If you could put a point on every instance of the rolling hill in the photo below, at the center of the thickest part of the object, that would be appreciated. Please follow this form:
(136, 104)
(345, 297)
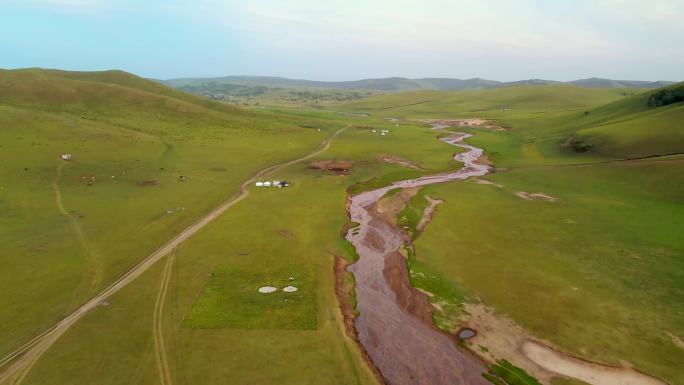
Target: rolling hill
(646, 124)
(609, 83)
(147, 161)
(230, 84)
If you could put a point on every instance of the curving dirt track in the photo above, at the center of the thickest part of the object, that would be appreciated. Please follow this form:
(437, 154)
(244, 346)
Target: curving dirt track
(157, 323)
(23, 358)
(94, 268)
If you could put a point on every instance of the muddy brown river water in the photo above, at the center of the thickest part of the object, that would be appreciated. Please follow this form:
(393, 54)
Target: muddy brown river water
(395, 324)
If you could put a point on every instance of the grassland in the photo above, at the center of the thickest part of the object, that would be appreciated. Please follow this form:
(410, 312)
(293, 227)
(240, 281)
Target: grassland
(518, 99)
(273, 235)
(215, 327)
(597, 272)
(147, 162)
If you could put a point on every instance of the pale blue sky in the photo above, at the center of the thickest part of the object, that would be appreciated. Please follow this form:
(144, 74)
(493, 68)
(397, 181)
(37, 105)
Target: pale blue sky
(350, 39)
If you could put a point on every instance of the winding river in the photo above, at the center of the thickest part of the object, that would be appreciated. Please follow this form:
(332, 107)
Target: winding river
(395, 324)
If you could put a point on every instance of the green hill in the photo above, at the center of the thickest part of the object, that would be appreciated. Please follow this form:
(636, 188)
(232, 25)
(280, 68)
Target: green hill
(147, 161)
(610, 83)
(516, 99)
(101, 91)
(646, 124)
(382, 84)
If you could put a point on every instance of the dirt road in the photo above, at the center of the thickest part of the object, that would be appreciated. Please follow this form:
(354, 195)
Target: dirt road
(158, 323)
(23, 358)
(93, 271)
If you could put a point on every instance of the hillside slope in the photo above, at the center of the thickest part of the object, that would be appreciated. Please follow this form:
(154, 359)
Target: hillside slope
(55, 90)
(147, 162)
(634, 127)
(610, 83)
(521, 98)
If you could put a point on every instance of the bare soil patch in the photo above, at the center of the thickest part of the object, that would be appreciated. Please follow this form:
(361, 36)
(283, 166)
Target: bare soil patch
(484, 160)
(340, 167)
(285, 233)
(498, 336)
(147, 183)
(393, 159)
(589, 372)
(485, 181)
(428, 213)
(676, 340)
(388, 207)
(501, 337)
(344, 293)
(535, 196)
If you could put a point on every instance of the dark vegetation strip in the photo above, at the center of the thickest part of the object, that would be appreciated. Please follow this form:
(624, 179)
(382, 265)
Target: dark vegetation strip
(505, 373)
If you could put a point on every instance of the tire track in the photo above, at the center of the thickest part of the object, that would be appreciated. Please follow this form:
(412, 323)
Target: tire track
(158, 323)
(23, 358)
(93, 267)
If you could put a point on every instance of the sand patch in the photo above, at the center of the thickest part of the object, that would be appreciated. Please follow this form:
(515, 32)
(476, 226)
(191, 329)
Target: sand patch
(484, 160)
(501, 336)
(425, 292)
(428, 213)
(676, 340)
(393, 159)
(388, 207)
(586, 371)
(485, 181)
(504, 338)
(535, 196)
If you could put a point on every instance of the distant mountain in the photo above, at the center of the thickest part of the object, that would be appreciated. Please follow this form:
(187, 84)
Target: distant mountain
(609, 83)
(529, 82)
(233, 83)
(382, 84)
